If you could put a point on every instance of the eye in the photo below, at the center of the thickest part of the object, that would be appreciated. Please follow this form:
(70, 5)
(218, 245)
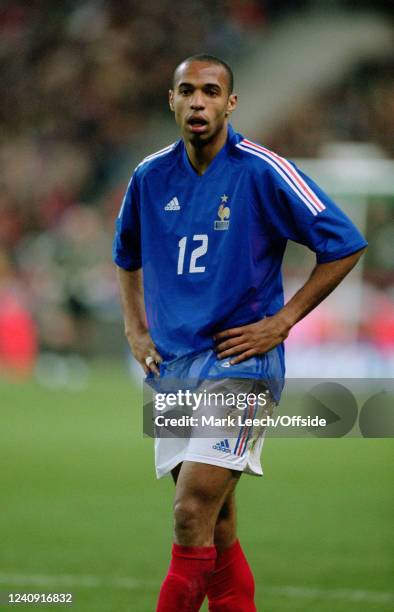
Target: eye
(185, 91)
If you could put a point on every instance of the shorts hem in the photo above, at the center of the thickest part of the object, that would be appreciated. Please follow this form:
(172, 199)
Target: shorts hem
(166, 470)
(245, 468)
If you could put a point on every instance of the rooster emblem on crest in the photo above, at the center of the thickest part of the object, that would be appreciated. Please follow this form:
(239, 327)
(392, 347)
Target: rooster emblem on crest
(224, 211)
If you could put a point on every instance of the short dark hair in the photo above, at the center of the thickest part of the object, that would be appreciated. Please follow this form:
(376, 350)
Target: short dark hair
(209, 59)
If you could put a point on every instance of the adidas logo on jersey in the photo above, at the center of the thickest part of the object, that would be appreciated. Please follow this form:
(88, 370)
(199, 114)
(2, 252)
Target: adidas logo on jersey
(223, 446)
(173, 205)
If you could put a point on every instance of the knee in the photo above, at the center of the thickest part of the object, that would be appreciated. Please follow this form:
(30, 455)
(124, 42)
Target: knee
(187, 515)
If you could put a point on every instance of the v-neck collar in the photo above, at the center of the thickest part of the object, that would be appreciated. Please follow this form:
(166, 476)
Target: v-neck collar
(215, 163)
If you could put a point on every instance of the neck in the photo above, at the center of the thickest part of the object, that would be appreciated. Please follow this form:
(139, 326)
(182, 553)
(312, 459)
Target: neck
(201, 156)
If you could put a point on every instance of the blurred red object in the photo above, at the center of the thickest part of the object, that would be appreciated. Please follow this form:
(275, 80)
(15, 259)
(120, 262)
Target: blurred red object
(18, 336)
(378, 327)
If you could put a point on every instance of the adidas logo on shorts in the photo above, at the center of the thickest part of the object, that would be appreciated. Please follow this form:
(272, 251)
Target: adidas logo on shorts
(223, 446)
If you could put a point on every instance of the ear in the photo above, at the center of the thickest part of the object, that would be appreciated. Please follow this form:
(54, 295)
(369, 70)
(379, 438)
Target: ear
(231, 104)
(171, 99)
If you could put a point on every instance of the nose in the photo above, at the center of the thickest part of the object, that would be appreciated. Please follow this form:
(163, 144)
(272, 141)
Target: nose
(197, 101)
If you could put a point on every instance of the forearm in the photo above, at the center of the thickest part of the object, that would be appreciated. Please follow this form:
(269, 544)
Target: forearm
(322, 281)
(243, 342)
(136, 329)
(132, 300)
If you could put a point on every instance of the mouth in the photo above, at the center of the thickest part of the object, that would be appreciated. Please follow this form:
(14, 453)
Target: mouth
(197, 124)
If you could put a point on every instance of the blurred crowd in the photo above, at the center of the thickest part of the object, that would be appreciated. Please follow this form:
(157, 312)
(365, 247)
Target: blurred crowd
(359, 109)
(84, 78)
(81, 83)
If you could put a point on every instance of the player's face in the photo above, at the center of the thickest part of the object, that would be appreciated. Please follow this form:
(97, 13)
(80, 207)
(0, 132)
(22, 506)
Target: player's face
(201, 101)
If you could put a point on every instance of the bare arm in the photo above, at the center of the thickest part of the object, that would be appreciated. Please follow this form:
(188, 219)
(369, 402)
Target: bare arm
(264, 335)
(136, 329)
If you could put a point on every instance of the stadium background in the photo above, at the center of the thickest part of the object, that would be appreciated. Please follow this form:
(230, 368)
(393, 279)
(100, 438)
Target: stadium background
(84, 99)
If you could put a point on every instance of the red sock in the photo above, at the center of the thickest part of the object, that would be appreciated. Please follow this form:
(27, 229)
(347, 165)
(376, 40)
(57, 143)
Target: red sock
(185, 585)
(231, 587)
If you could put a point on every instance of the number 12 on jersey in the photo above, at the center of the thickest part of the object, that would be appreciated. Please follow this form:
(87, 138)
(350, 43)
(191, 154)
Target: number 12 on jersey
(196, 253)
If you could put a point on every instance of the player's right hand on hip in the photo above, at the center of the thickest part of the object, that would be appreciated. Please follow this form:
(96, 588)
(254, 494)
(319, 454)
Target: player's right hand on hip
(145, 352)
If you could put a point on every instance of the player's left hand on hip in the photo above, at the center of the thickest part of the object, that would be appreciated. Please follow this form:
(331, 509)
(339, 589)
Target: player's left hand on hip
(249, 340)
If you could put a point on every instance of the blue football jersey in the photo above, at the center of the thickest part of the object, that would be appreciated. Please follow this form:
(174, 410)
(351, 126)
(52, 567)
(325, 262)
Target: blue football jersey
(211, 246)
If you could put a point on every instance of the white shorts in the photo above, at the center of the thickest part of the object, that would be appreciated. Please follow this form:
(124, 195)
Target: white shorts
(231, 442)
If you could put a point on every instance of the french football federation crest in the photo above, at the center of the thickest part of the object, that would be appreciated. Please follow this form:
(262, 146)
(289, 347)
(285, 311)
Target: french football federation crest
(223, 214)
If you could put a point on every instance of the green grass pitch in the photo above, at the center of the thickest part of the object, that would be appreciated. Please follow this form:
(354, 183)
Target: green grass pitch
(82, 512)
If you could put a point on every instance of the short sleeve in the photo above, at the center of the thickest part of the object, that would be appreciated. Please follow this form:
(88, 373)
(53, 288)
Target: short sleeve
(300, 211)
(126, 250)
